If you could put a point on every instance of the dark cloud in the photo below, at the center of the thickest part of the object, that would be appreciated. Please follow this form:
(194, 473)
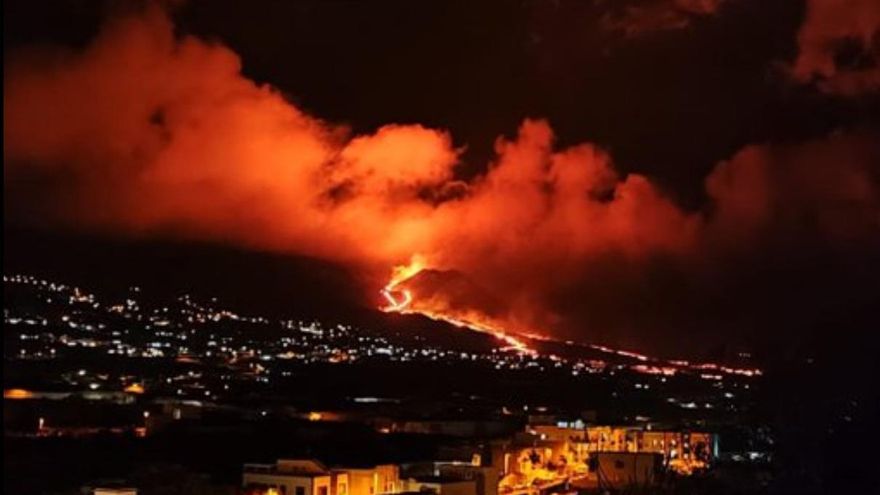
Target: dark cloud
(644, 17)
(839, 47)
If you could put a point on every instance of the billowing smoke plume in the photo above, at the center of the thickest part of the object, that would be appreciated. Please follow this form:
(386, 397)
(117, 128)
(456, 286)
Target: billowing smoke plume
(838, 42)
(147, 133)
(839, 46)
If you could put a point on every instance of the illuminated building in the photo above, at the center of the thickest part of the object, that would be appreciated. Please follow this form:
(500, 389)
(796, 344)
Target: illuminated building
(545, 457)
(452, 477)
(681, 451)
(384, 478)
(310, 477)
(533, 462)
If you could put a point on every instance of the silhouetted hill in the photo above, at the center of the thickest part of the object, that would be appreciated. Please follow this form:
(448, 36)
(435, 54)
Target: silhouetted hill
(251, 282)
(266, 283)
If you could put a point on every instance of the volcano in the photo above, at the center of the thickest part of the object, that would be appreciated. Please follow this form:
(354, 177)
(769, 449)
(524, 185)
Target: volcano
(453, 292)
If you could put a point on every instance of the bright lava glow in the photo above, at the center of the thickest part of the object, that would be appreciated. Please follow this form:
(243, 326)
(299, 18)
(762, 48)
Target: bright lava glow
(398, 275)
(400, 301)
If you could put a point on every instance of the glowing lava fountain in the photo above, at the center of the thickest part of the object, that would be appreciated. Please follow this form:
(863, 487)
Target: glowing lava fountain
(401, 301)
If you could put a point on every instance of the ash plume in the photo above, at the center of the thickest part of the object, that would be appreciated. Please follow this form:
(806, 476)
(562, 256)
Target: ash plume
(145, 133)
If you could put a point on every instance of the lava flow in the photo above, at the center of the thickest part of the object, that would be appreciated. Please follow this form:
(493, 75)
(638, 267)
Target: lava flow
(400, 301)
(400, 274)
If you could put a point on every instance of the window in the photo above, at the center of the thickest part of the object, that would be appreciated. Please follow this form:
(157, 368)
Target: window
(322, 490)
(343, 489)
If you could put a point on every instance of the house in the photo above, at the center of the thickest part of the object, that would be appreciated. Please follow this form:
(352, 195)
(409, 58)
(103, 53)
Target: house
(294, 477)
(384, 478)
(310, 477)
(451, 477)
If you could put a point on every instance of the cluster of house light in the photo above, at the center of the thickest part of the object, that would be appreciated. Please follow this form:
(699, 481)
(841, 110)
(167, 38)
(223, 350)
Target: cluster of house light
(75, 318)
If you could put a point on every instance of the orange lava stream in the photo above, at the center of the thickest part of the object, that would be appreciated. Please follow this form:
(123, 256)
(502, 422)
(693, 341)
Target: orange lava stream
(399, 301)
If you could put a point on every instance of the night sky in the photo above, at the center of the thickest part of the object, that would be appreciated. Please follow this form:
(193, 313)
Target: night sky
(700, 173)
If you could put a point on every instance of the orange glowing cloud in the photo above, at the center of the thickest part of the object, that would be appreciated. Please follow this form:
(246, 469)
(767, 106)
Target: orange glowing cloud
(176, 139)
(147, 133)
(828, 188)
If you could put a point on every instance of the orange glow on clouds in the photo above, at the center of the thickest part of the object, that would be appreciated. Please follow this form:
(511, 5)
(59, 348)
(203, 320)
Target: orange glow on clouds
(151, 134)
